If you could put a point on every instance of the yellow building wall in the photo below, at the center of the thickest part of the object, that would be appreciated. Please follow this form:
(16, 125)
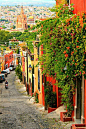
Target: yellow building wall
(35, 70)
(26, 68)
(36, 75)
(21, 53)
(29, 73)
(2, 63)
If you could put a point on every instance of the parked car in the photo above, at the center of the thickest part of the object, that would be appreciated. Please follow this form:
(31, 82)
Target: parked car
(4, 72)
(8, 70)
(11, 68)
(2, 77)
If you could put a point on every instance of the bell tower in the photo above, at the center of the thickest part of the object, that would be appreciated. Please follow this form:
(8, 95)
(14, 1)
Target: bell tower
(22, 11)
(21, 22)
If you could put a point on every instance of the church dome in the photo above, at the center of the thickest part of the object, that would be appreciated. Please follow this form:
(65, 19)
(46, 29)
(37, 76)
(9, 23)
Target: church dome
(31, 17)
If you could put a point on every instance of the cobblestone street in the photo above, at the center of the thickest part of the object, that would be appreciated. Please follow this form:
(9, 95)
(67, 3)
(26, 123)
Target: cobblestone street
(16, 113)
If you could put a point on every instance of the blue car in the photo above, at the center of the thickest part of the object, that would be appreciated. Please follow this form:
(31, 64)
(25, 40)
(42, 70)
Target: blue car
(2, 77)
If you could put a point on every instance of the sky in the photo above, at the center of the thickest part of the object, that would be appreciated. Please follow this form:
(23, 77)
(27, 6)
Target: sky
(28, 2)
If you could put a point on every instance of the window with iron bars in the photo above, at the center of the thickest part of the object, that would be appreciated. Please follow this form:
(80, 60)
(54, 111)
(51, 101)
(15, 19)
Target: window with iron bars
(38, 79)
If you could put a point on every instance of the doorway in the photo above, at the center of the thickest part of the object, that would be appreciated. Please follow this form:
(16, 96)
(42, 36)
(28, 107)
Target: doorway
(79, 98)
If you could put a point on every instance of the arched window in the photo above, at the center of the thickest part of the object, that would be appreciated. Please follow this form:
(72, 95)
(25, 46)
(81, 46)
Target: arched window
(25, 25)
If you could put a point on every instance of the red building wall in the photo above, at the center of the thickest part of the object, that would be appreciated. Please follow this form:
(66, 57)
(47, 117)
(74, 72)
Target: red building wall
(79, 5)
(55, 88)
(8, 59)
(85, 100)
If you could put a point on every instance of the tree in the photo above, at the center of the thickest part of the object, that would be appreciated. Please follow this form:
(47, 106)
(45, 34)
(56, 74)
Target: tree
(5, 36)
(14, 26)
(3, 27)
(16, 34)
(18, 72)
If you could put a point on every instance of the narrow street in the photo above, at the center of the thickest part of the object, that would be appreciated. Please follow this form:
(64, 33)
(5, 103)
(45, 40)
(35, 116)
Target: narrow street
(15, 113)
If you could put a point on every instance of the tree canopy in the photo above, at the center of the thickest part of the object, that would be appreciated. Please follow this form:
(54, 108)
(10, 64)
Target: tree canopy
(5, 36)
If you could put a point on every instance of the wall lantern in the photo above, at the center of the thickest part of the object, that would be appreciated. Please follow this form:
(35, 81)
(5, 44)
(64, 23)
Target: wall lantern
(36, 43)
(30, 68)
(65, 68)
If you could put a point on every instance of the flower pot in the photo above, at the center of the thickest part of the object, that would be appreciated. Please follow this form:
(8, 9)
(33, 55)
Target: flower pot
(78, 126)
(64, 118)
(50, 109)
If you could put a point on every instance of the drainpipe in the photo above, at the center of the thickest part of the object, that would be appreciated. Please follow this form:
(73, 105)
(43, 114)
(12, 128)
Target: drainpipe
(82, 117)
(75, 107)
(69, 3)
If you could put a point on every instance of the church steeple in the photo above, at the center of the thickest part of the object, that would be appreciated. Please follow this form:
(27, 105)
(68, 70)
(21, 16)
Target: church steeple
(21, 22)
(22, 12)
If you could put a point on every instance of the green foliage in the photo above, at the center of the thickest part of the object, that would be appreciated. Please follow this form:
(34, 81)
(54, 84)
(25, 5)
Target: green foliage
(64, 41)
(3, 20)
(30, 46)
(14, 44)
(26, 36)
(17, 51)
(19, 72)
(36, 97)
(25, 30)
(28, 26)
(16, 34)
(63, 10)
(14, 27)
(3, 27)
(50, 96)
(4, 36)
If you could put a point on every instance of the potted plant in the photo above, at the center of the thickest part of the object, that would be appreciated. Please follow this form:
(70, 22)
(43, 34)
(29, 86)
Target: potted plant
(78, 126)
(36, 97)
(50, 98)
(64, 117)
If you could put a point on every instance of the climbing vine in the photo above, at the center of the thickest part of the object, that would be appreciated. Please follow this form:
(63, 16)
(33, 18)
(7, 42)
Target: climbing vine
(64, 54)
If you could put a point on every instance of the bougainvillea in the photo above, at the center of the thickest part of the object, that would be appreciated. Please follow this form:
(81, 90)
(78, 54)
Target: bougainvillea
(64, 57)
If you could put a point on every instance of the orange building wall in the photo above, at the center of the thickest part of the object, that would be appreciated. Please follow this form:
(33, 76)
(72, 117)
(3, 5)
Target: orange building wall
(85, 101)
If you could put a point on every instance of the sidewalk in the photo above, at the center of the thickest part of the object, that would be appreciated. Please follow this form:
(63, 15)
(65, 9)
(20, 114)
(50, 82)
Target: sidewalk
(55, 115)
